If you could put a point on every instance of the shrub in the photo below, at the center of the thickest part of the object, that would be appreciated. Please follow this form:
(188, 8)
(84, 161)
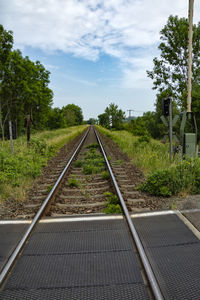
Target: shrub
(144, 139)
(178, 178)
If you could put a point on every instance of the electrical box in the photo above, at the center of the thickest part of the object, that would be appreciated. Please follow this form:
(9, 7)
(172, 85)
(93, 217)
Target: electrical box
(190, 146)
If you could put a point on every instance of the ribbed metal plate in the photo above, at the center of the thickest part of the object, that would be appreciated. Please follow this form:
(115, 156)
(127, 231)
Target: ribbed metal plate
(10, 235)
(163, 231)
(77, 260)
(75, 270)
(81, 226)
(174, 253)
(178, 270)
(112, 292)
(76, 242)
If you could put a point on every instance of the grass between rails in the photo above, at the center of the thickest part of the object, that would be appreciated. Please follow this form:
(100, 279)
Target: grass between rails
(163, 179)
(18, 171)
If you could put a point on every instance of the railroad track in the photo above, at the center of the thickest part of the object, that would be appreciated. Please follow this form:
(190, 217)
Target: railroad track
(93, 174)
(82, 188)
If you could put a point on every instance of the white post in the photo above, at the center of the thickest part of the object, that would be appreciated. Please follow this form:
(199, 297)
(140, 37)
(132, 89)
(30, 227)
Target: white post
(190, 33)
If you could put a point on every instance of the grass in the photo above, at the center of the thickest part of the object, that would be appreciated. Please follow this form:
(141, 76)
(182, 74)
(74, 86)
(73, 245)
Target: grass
(105, 175)
(182, 177)
(112, 204)
(149, 156)
(18, 171)
(93, 162)
(73, 182)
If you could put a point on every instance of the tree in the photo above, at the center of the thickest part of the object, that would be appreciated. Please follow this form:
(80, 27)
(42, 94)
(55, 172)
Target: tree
(73, 114)
(104, 120)
(6, 43)
(117, 115)
(23, 88)
(56, 119)
(170, 71)
(92, 121)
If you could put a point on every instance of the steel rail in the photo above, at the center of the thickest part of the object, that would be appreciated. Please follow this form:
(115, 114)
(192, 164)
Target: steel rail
(152, 280)
(20, 245)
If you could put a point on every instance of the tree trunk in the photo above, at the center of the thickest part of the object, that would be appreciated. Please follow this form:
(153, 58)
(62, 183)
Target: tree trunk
(11, 137)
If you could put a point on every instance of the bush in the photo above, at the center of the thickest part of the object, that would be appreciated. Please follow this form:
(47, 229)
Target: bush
(144, 139)
(175, 179)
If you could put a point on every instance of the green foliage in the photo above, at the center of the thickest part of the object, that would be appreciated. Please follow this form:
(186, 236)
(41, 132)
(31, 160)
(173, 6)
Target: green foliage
(111, 198)
(73, 114)
(24, 90)
(144, 139)
(18, 170)
(115, 115)
(170, 70)
(56, 119)
(73, 182)
(93, 163)
(112, 204)
(78, 163)
(105, 175)
(184, 177)
(92, 121)
(112, 209)
(149, 156)
(49, 188)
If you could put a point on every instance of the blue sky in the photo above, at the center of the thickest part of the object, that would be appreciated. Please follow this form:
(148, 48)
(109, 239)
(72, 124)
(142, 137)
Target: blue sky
(97, 51)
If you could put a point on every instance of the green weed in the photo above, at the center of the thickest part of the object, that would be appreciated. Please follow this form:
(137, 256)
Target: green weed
(105, 175)
(49, 188)
(118, 162)
(112, 204)
(77, 164)
(73, 182)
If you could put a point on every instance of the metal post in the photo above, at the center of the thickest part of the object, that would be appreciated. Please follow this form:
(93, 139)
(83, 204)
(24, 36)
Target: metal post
(190, 33)
(170, 131)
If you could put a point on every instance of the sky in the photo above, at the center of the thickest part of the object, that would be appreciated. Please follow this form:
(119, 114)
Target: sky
(97, 51)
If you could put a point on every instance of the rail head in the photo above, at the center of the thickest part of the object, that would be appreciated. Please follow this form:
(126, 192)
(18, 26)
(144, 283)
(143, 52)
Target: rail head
(38, 215)
(149, 272)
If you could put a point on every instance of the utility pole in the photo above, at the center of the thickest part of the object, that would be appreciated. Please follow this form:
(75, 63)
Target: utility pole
(189, 73)
(129, 111)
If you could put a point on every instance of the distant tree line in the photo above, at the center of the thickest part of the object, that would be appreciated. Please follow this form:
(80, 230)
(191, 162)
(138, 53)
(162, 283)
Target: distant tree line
(24, 90)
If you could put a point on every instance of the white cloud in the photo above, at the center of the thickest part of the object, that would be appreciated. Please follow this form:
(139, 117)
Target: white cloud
(88, 28)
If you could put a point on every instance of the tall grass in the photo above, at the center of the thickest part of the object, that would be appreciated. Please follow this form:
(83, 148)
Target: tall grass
(163, 178)
(149, 155)
(18, 171)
